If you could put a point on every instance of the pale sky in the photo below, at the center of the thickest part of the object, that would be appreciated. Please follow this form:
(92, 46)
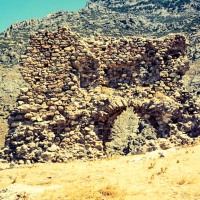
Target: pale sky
(12, 11)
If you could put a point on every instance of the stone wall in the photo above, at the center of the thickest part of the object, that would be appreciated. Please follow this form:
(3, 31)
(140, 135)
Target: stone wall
(89, 97)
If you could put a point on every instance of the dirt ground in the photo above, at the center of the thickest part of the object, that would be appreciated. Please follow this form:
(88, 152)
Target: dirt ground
(166, 175)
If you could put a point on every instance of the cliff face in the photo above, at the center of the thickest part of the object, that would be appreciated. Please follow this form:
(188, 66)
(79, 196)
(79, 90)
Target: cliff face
(89, 97)
(150, 17)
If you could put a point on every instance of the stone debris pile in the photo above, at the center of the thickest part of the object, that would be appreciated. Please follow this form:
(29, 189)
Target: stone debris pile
(88, 97)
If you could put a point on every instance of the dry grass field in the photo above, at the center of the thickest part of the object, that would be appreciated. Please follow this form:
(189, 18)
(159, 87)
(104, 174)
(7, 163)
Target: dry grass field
(150, 176)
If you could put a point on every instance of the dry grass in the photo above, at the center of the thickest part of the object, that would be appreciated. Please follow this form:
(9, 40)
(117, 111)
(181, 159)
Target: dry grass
(185, 180)
(123, 178)
(14, 180)
(152, 165)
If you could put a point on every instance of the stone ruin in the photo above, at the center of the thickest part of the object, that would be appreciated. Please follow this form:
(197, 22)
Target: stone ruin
(96, 96)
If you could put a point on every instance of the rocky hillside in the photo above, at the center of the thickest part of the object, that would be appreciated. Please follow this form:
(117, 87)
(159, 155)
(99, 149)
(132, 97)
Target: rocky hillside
(114, 18)
(169, 174)
(125, 17)
(106, 17)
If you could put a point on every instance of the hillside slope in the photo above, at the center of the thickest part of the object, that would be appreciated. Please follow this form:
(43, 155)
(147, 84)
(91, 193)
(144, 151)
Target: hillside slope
(175, 175)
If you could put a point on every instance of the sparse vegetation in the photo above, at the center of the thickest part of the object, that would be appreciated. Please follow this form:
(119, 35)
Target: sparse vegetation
(162, 170)
(113, 179)
(152, 165)
(186, 180)
(112, 191)
(14, 180)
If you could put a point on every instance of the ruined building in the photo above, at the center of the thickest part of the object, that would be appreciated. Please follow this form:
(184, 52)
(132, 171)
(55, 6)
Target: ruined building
(89, 97)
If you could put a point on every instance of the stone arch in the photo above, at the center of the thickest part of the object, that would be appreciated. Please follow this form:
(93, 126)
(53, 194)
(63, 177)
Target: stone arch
(139, 130)
(104, 124)
(106, 118)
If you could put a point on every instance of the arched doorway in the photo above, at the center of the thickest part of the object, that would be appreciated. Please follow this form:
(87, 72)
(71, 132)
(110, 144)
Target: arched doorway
(118, 129)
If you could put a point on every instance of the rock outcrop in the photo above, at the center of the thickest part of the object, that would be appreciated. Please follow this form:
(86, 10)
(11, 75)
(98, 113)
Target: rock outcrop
(88, 97)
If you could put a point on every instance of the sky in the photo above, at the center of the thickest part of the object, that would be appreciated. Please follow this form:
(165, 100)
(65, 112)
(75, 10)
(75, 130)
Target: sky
(12, 11)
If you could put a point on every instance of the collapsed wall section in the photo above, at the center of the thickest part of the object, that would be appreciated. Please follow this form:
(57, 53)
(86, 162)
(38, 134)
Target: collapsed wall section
(83, 91)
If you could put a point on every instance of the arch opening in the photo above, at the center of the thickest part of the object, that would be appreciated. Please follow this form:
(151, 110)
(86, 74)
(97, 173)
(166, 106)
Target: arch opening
(118, 129)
